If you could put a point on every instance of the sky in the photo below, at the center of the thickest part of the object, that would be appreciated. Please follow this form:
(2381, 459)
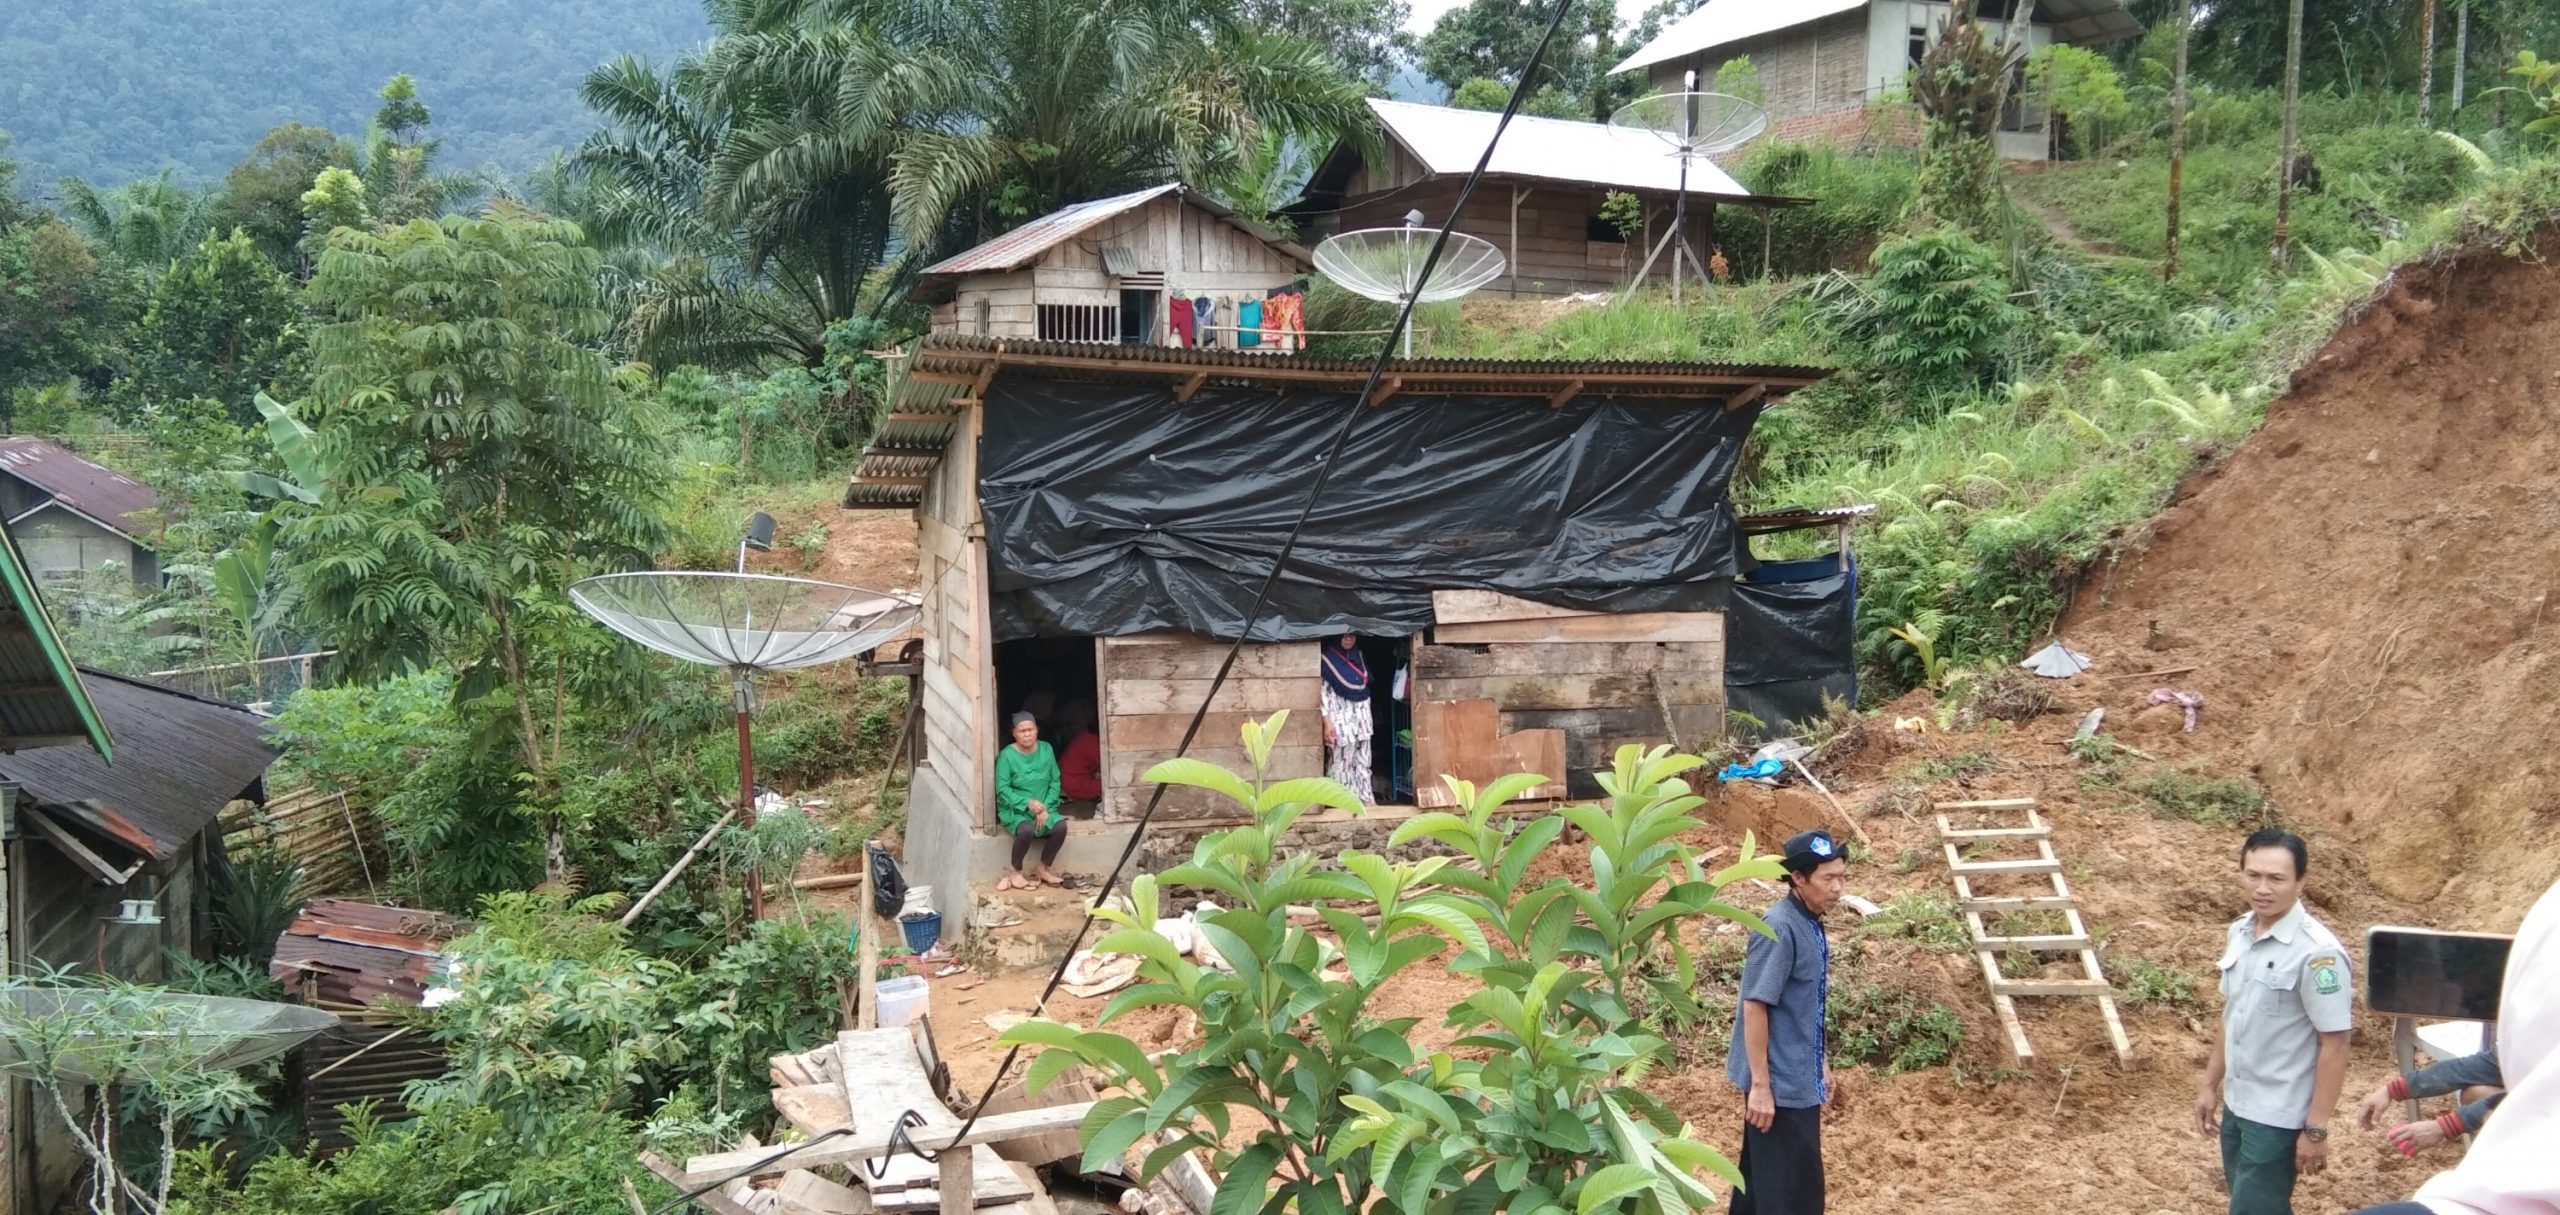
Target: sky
(1427, 12)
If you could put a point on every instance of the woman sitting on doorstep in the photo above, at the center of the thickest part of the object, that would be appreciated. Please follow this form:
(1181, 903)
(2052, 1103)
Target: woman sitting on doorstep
(1027, 797)
(1080, 765)
(1347, 724)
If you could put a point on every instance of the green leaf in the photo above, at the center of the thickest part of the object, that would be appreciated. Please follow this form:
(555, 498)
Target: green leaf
(1611, 1184)
(1311, 790)
(1437, 824)
(1201, 774)
(1122, 1054)
(1692, 1155)
(1505, 788)
(1109, 1130)
(1526, 846)
(1430, 1103)
(1040, 1033)
(1049, 1066)
(1421, 1175)
(1247, 1183)
(1146, 943)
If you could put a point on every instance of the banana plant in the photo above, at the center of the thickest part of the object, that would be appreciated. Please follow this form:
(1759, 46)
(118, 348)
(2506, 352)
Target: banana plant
(1543, 1117)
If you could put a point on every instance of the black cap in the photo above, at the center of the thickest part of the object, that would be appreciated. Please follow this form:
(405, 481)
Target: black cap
(1807, 850)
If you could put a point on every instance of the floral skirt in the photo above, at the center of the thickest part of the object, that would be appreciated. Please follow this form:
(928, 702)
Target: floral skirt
(1347, 761)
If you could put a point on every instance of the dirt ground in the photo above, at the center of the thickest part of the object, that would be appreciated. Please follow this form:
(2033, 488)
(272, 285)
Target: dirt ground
(2360, 593)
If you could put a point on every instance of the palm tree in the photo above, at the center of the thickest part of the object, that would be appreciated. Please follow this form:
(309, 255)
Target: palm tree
(150, 222)
(1000, 110)
(744, 278)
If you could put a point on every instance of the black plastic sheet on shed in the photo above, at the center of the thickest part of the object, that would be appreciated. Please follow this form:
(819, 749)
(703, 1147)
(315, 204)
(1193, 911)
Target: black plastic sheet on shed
(1790, 641)
(1111, 510)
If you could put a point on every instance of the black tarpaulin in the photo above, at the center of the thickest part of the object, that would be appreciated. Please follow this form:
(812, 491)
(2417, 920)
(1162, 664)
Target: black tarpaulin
(1791, 640)
(1112, 510)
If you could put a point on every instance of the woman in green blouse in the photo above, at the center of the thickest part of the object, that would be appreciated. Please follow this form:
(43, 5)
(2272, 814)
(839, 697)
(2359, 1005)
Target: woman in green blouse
(1027, 803)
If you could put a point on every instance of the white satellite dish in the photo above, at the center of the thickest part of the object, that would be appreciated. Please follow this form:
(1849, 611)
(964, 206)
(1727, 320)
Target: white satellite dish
(176, 1028)
(1386, 264)
(1694, 125)
(751, 624)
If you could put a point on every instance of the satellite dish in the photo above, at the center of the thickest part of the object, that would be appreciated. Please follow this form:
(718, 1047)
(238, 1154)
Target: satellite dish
(1693, 125)
(1386, 264)
(752, 624)
(183, 1030)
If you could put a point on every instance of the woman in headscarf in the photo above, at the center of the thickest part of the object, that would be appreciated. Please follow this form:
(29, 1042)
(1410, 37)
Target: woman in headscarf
(2509, 1169)
(1027, 803)
(1346, 717)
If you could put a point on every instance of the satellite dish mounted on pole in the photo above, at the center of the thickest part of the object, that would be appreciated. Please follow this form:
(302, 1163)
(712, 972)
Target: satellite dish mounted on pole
(752, 624)
(1386, 264)
(1696, 125)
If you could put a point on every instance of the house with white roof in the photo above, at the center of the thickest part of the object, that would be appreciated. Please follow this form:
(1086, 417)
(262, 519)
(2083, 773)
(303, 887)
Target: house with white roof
(1540, 202)
(1821, 63)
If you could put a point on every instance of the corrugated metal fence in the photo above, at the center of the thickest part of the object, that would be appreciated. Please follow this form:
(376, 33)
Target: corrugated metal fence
(339, 844)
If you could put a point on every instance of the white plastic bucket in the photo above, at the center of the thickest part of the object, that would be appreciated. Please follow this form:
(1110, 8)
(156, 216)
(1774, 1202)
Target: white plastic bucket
(902, 1000)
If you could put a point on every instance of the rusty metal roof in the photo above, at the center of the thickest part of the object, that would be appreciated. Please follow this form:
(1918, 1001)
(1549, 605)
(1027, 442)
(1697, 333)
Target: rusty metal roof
(931, 389)
(179, 759)
(1025, 244)
(343, 954)
(94, 492)
(1797, 518)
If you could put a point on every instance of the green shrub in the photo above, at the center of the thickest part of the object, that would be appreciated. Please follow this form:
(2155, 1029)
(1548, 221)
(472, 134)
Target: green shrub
(2146, 983)
(1942, 314)
(1856, 201)
(1928, 920)
(1894, 1028)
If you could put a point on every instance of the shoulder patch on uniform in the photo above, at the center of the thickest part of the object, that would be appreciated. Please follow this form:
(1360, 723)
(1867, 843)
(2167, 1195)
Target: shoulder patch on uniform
(2324, 976)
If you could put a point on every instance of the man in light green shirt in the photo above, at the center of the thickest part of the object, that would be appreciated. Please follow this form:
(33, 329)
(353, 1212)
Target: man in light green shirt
(2288, 1005)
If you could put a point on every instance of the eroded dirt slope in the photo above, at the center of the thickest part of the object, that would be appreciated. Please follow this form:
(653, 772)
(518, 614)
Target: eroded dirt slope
(2364, 589)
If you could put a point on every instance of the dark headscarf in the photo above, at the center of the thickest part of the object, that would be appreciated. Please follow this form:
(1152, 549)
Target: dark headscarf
(1346, 671)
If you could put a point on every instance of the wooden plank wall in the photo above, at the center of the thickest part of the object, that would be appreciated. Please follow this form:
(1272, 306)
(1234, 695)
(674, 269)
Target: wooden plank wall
(1008, 299)
(1198, 253)
(1601, 693)
(339, 844)
(1555, 253)
(1153, 682)
(951, 562)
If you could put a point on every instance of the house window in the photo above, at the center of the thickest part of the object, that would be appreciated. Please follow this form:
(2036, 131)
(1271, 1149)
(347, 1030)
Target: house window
(1599, 231)
(1079, 322)
(986, 319)
(1919, 44)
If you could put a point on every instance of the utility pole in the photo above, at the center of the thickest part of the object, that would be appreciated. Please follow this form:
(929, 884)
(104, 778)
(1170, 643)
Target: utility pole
(2178, 135)
(2427, 63)
(2292, 114)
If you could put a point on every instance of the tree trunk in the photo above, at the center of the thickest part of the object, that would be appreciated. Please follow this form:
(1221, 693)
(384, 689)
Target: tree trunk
(2427, 63)
(2178, 134)
(2292, 117)
(2461, 52)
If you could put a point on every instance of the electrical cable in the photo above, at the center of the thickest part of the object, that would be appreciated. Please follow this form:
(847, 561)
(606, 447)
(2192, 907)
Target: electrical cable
(1358, 405)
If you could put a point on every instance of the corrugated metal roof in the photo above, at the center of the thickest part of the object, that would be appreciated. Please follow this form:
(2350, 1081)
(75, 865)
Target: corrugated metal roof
(1796, 518)
(1727, 22)
(1449, 141)
(180, 759)
(343, 953)
(947, 352)
(44, 703)
(1023, 245)
(104, 496)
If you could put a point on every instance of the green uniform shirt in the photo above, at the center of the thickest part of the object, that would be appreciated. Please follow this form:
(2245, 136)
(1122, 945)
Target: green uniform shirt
(1024, 777)
(2280, 992)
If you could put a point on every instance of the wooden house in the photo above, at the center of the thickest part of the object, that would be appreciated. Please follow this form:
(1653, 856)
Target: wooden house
(102, 867)
(1540, 202)
(1107, 271)
(1094, 521)
(70, 515)
(1822, 63)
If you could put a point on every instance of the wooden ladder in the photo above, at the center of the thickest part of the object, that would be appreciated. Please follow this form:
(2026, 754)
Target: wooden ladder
(1988, 948)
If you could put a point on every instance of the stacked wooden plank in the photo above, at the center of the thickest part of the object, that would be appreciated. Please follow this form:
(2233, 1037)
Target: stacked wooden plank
(2009, 830)
(858, 1088)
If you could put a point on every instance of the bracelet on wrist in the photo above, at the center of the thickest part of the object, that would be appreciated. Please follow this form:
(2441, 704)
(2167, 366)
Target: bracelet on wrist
(2399, 1088)
(2451, 1123)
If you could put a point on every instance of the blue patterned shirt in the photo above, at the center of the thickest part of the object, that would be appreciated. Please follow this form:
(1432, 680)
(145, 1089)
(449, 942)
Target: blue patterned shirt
(1790, 973)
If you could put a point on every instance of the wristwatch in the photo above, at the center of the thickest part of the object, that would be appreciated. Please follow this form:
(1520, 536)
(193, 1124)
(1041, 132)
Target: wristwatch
(2316, 1134)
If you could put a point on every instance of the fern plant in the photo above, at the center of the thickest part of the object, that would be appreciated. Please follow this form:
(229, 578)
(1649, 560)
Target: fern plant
(1335, 1111)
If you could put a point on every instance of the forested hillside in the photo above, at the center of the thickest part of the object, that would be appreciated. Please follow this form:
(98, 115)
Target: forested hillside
(115, 89)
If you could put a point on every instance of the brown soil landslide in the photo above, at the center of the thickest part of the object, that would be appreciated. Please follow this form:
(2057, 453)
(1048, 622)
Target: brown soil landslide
(2365, 592)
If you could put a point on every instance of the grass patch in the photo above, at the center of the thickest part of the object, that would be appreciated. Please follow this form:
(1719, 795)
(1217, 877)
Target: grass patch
(2219, 801)
(2148, 984)
(1892, 1028)
(1949, 767)
(1928, 920)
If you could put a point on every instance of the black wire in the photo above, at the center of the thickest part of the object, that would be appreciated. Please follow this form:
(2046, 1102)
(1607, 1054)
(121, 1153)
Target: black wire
(1324, 473)
(1359, 405)
(757, 1167)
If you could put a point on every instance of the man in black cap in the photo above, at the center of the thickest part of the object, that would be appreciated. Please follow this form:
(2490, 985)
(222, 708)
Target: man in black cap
(1778, 1059)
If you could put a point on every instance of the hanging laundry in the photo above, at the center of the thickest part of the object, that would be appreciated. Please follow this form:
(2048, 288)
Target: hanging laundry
(1248, 324)
(1281, 316)
(1204, 316)
(1181, 320)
